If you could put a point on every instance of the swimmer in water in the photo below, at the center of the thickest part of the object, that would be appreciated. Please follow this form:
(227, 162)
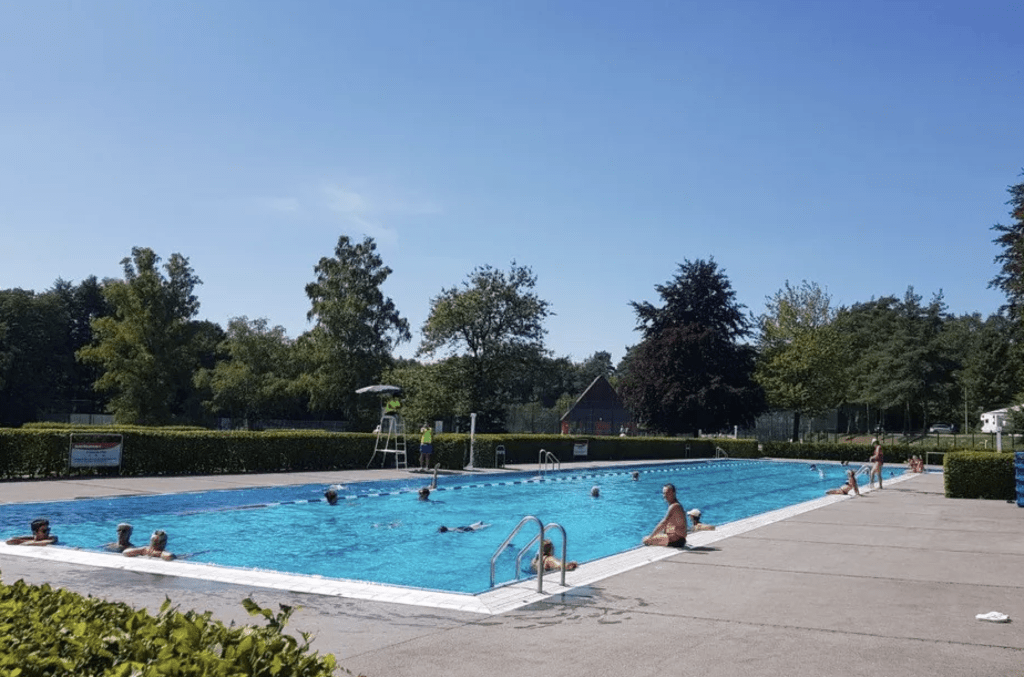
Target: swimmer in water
(475, 526)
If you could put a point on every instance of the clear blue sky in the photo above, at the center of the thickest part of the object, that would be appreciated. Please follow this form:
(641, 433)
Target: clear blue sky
(865, 146)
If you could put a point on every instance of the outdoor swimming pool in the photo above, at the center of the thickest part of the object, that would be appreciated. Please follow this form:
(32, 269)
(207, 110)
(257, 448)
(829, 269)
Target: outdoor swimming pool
(380, 532)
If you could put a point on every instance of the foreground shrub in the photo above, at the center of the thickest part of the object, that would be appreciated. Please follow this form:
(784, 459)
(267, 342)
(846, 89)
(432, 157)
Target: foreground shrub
(47, 631)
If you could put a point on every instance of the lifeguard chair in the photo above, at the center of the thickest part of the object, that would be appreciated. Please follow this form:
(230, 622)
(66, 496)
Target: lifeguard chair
(391, 430)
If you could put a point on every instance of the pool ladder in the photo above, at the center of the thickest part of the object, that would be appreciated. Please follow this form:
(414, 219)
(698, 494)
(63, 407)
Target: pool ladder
(546, 460)
(720, 453)
(542, 529)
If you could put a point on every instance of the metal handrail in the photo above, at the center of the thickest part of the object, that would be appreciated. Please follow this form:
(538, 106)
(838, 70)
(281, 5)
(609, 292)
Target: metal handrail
(522, 551)
(504, 544)
(565, 545)
(544, 458)
(720, 453)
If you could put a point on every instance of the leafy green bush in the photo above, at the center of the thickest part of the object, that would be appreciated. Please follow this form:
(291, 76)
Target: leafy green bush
(979, 474)
(46, 631)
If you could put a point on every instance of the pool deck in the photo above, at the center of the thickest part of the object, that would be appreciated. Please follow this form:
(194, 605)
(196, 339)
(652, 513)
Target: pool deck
(885, 584)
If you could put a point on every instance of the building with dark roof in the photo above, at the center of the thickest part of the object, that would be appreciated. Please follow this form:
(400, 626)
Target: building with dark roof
(598, 411)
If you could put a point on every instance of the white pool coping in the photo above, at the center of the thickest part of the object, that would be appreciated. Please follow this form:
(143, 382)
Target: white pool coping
(500, 600)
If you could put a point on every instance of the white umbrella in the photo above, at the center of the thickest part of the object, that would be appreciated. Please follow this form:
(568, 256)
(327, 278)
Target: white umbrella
(379, 390)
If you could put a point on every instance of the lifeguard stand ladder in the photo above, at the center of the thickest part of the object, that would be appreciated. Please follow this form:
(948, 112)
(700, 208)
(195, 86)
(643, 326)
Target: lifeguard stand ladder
(390, 440)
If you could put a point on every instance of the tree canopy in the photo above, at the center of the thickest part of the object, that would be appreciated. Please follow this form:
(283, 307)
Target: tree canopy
(1010, 279)
(496, 322)
(691, 372)
(145, 347)
(801, 352)
(356, 327)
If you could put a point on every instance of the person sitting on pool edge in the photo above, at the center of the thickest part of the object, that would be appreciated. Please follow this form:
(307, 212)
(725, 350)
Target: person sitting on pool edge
(123, 542)
(697, 524)
(156, 547)
(40, 534)
(551, 563)
(851, 483)
(671, 530)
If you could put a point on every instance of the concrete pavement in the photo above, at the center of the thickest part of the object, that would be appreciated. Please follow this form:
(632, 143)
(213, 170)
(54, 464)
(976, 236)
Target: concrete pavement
(885, 584)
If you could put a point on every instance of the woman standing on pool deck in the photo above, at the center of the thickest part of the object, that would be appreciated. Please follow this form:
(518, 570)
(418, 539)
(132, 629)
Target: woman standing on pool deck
(671, 530)
(876, 459)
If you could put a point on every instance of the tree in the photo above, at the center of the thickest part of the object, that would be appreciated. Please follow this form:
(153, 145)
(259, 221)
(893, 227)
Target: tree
(496, 322)
(356, 328)
(799, 365)
(598, 364)
(33, 354)
(145, 348)
(899, 360)
(691, 371)
(257, 376)
(988, 377)
(82, 303)
(1010, 279)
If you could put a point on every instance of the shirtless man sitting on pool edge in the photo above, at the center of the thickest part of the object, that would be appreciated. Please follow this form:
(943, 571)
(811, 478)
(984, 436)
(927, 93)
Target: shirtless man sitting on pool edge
(671, 530)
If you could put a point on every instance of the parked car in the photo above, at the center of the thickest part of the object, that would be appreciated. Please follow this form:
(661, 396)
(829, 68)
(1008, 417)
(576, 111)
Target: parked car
(942, 428)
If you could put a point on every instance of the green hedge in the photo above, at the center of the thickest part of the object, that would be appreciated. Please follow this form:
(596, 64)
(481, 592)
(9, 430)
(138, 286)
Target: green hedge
(979, 474)
(41, 452)
(47, 631)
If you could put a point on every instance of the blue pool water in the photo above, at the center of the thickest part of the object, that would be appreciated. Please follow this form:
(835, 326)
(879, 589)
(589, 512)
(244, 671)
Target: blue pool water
(381, 532)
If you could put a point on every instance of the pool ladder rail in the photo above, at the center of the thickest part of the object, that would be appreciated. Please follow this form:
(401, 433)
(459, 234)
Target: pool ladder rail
(539, 538)
(720, 453)
(547, 460)
(390, 440)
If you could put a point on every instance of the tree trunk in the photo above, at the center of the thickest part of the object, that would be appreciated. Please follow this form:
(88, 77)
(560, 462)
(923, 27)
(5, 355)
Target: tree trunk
(796, 426)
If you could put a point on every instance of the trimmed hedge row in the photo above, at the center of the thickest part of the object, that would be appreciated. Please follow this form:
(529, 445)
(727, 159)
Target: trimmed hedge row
(47, 631)
(979, 474)
(43, 452)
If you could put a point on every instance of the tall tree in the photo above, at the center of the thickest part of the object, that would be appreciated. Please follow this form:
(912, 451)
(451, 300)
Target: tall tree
(1010, 279)
(900, 361)
(256, 377)
(988, 377)
(145, 347)
(496, 321)
(692, 371)
(82, 303)
(799, 365)
(33, 354)
(355, 329)
(598, 364)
